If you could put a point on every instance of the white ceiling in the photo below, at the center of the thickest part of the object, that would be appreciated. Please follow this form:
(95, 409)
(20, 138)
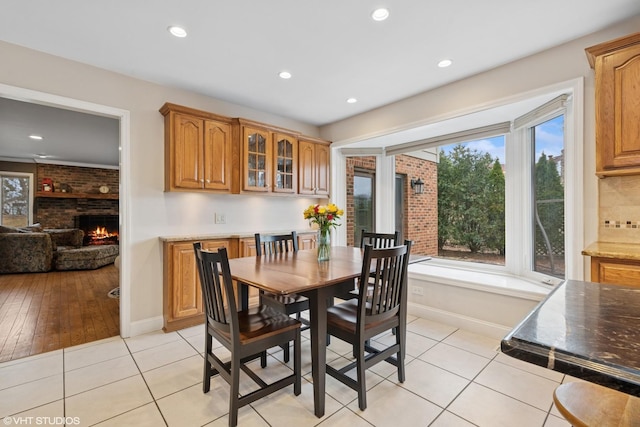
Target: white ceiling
(333, 48)
(68, 136)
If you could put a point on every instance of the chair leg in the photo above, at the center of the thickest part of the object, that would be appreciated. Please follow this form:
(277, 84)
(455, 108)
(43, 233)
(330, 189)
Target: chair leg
(206, 372)
(401, 340)
(367, 343)
(285, 351)
(234, 390)
(361, 372)
(297, 363)
(330, 303)
(263, 359)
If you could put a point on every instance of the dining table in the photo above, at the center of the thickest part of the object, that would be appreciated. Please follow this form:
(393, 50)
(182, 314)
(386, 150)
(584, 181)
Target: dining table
(587, 330)
(320, 281)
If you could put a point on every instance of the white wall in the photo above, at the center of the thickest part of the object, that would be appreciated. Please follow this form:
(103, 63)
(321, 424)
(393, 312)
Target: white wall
(153, 212)
(557, 65)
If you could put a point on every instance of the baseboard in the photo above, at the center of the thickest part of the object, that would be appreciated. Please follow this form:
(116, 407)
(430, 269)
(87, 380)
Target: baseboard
(470, 324)
(488, 329)
(145, 326)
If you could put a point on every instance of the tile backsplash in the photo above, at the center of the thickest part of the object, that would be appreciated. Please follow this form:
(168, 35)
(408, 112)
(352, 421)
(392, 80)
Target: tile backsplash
(621, 224)
(619, 209)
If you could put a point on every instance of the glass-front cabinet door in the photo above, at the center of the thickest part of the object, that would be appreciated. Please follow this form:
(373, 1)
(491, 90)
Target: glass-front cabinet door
(257, 156)
(285, 161)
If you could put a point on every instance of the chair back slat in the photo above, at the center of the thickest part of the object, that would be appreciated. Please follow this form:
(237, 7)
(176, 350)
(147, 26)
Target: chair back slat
(217, 289)
(385, 271)
(379, 240)
(271, 245)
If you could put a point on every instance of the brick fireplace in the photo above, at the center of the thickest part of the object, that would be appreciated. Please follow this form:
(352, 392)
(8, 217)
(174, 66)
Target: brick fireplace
(61, 212)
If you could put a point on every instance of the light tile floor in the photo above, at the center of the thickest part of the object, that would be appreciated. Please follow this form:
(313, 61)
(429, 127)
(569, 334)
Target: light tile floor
(454, 378)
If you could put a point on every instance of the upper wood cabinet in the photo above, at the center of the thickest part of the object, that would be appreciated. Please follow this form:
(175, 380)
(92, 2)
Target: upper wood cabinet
(269, 158)
(207, 152)
(256, 159)
(197, 150)
(285, 163)
(617, 85)
(314, 166)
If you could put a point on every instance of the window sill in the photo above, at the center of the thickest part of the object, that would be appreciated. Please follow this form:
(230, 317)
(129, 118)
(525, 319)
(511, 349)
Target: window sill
(488, 279)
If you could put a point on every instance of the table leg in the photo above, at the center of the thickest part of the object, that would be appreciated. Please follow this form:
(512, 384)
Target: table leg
(243, 294)
(318, 315)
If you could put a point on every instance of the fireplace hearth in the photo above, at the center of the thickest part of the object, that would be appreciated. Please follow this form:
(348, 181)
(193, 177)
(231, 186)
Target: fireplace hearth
(98, 229)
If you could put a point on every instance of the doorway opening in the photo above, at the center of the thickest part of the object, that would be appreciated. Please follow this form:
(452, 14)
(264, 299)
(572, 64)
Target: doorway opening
(119, 321)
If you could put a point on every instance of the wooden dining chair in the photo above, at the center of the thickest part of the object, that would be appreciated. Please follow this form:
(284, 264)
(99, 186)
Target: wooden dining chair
(379, 240)
(287, 304)
(245, 334)
(356, 321)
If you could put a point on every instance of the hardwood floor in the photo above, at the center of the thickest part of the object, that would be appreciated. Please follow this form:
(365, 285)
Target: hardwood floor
(41, 312)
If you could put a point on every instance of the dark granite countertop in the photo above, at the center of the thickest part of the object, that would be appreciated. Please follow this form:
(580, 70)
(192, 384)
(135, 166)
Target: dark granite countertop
(587, 330)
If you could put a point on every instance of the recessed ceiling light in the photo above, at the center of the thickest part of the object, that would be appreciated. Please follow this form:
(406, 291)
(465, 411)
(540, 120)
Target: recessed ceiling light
(36, 137)
(177, 31)
(445, 63)
(380, 14)
(42, 156)
(285, 75)
(352, 100)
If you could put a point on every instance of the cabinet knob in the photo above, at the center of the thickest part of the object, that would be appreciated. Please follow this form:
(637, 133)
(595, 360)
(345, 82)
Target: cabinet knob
(208, 181)
(202, 180)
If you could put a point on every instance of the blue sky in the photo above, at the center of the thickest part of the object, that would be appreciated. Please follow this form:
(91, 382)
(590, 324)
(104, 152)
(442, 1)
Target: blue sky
(549, 138)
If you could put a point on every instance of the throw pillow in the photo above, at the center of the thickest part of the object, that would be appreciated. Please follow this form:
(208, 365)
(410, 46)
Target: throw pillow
(33, 228)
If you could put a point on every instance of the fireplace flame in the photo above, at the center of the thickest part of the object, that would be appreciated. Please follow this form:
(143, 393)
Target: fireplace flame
(100, 234)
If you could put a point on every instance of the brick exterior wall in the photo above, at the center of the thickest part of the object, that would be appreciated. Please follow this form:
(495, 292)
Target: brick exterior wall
(60, 213)
(420, 211)
(353, 163)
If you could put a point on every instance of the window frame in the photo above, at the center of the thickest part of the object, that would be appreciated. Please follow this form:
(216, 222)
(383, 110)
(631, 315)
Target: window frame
(29, 175)
(371, 174)
(574, 187)
(519, 203)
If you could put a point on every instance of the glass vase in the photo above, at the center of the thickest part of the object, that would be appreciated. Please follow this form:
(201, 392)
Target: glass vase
(324, 244)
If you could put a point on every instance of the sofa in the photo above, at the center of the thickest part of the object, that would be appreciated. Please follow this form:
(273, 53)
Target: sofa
(34, 249)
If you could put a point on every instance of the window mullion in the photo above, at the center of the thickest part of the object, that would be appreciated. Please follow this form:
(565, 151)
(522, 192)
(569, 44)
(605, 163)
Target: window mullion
(515, 201)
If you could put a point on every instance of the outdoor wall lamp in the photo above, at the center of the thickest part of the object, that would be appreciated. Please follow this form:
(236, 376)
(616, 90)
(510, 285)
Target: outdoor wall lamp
(417, 185)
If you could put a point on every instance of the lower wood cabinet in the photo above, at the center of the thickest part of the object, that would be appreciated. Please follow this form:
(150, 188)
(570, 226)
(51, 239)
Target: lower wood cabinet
(307, 241)
(615, 271)
(182, 295)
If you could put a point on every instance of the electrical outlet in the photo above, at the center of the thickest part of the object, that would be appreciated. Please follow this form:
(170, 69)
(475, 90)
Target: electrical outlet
(221, 218)
(417, 290)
